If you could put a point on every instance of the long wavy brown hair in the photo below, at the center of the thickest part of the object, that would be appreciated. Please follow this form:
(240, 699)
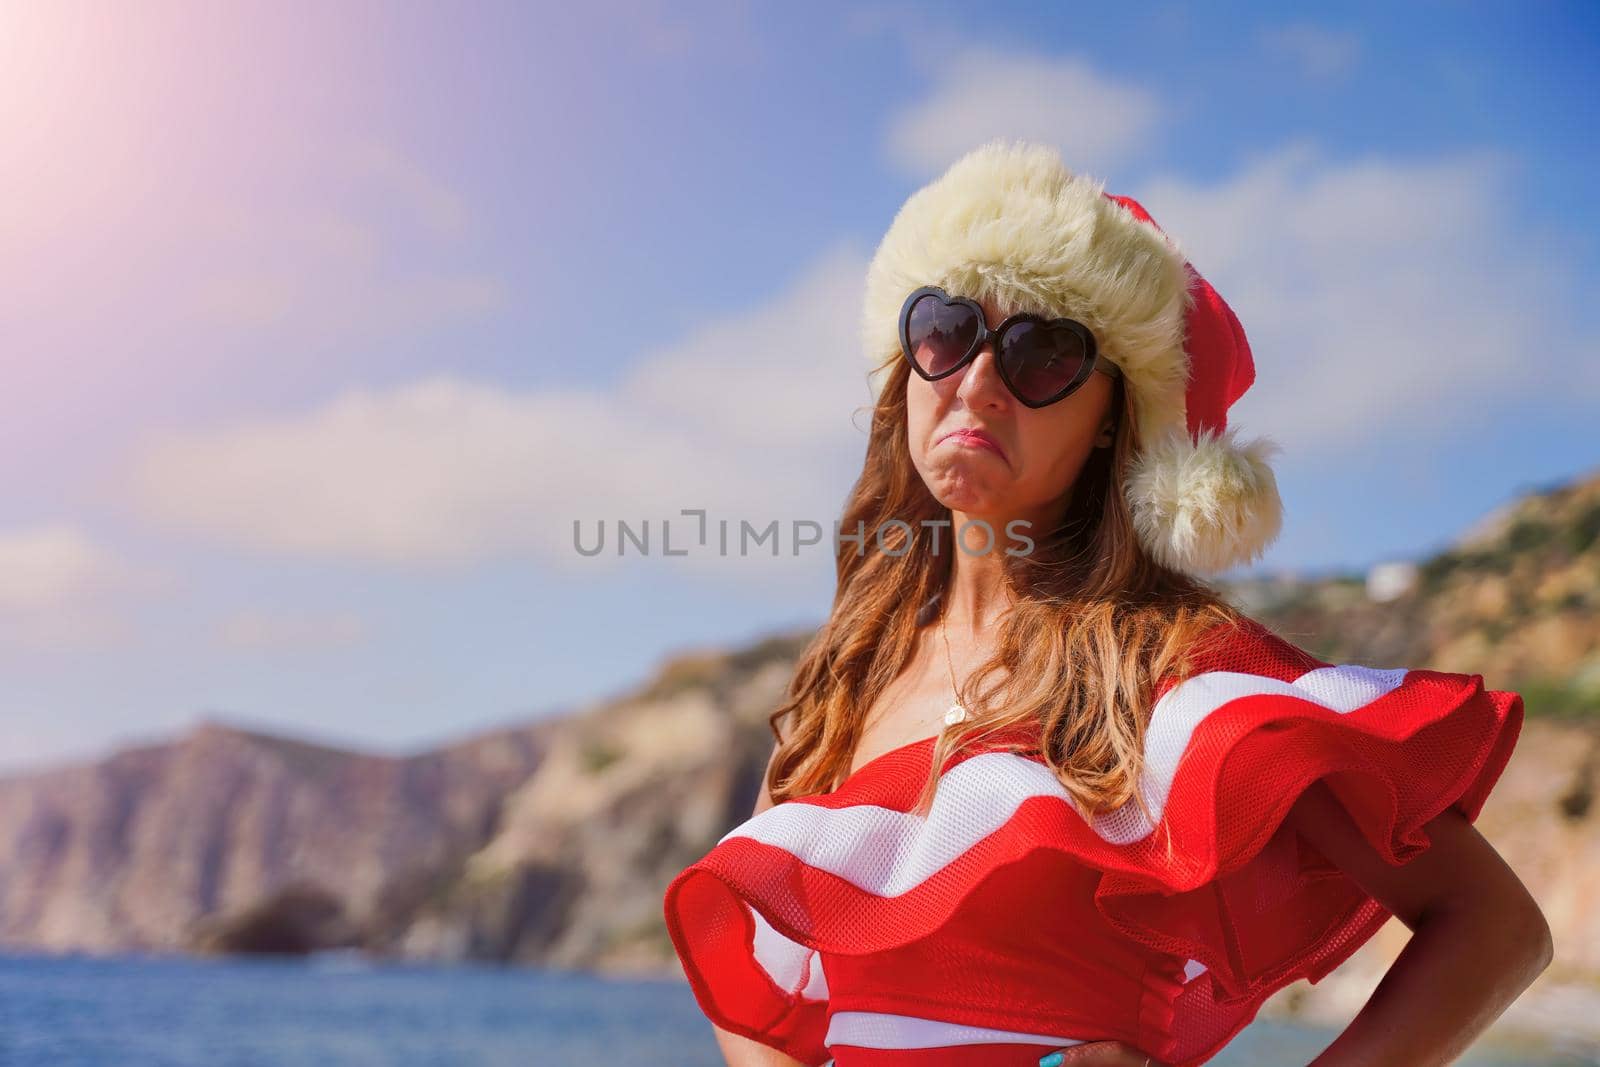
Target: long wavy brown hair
(1095, 625)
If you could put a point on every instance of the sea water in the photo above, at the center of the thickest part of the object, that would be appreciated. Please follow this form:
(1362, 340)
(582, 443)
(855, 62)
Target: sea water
(340, 1011)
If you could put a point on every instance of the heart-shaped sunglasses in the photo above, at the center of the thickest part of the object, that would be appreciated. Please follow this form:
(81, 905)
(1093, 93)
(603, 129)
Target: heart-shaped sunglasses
(1041, 360)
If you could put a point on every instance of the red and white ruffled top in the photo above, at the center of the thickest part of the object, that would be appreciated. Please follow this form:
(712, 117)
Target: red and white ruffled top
(1004, 924)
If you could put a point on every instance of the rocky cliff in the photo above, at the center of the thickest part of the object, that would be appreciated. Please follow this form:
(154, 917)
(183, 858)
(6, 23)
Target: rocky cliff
(1516, 599)
(156, 847)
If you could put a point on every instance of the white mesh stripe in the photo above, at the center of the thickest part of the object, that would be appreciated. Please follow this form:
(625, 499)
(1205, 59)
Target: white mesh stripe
(871, 1029)
(1343, 689)
(792, 966)
(888, 852)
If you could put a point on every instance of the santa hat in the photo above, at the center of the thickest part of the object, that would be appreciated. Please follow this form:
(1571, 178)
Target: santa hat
(1010, 223)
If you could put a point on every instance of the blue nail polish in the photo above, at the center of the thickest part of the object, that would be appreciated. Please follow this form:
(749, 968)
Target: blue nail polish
(1052, 1059)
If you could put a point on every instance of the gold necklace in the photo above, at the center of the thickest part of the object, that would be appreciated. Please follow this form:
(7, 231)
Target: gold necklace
(958, 711)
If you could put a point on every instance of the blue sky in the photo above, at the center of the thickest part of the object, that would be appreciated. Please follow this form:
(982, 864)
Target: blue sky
(321, 325)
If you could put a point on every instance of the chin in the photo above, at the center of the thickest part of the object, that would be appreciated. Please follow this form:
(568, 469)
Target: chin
(966, 497)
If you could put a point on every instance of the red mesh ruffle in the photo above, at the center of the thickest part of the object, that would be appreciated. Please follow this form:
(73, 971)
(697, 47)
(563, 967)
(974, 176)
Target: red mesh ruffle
(1217, 879)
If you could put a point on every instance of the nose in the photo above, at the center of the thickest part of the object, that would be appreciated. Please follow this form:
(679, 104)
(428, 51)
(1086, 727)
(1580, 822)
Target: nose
(981, 385)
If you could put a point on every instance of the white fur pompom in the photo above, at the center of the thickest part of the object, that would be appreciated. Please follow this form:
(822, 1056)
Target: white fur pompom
(1205, 505)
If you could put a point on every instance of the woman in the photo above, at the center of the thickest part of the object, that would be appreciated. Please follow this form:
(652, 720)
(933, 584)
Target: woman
(1038, 793)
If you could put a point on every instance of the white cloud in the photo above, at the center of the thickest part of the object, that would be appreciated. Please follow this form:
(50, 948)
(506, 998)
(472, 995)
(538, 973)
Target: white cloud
(1321, 53)
(45, 564)
(59, 587)
(759, 417)
(981, 92)
(1384, 300)
(786, 373)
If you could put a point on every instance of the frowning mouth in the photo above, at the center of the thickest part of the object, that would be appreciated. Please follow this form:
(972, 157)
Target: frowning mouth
(973, 438)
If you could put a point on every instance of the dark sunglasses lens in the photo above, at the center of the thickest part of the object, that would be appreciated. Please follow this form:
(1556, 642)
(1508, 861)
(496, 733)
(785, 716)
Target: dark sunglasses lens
(939, 333)
(1042, 359)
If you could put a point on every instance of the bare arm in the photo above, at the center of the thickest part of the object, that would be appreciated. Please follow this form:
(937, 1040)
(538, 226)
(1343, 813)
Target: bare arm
(1478, 938)
(742, 1052)
(737, 1050)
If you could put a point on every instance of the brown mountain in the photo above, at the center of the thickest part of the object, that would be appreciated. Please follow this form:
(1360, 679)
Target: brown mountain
(131, 852)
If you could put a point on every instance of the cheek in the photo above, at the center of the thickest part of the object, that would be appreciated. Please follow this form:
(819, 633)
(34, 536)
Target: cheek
(1066, 437)
(922, 411)
(1062, 448)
